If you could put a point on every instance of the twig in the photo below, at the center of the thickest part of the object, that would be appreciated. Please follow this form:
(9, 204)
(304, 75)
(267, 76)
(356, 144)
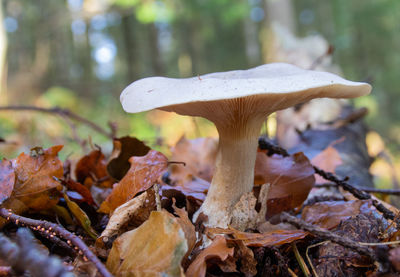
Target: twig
(24, 256)
(61, 112)
(327, 235)
(388, 214)
(264, 144)
(365, 189)
(60, 232)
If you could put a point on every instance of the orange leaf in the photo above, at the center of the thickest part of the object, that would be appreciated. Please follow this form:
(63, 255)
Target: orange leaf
(143, 173)
(35, 185)
(291, 180)
(217, 249)
(92, 165)
(327, 160)
(7, 180)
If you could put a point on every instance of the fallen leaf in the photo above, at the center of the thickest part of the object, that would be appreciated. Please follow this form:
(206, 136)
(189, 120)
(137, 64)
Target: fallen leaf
(35, 185)
(81, 189)
(127, 211)
(268, 239)
(290, 178)
(327, 160)
(124, 149)
(143, 173)
(217, 249)
(199, 156)
(7, 180)
(91, 168)
(81, 217)
(187, 227)
(156, 248)
(329, 214)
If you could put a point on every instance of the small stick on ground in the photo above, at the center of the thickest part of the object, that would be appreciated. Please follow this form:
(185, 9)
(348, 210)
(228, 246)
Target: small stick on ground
(327, 235)
(57, 230)
(365, 189)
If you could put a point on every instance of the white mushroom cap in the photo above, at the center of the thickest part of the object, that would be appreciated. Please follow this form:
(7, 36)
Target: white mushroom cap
(267, 80)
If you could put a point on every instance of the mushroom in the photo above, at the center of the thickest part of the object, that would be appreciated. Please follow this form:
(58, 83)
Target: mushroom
(237, 102)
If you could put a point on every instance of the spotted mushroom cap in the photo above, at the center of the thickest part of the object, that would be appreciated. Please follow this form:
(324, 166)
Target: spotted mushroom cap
(276, 85)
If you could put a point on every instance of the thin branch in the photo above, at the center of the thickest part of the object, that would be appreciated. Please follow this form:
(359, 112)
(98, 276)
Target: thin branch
(359, 194)
(327, 235)
(61, 112)
(365, 189)
(57, 230)
(25, 256)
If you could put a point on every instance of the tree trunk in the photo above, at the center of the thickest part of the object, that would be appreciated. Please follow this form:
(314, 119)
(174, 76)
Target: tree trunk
(3, 67)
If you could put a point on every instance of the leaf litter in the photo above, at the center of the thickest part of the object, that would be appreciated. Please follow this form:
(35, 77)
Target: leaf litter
(137, 240)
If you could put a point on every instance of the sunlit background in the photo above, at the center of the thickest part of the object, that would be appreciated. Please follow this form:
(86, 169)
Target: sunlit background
(80, 54)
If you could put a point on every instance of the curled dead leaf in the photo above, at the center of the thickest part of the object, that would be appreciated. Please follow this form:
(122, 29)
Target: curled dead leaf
(143, 173)
(140, 206)
(217, 249)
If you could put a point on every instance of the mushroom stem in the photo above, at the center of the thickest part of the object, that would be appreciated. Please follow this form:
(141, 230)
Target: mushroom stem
(234, 172)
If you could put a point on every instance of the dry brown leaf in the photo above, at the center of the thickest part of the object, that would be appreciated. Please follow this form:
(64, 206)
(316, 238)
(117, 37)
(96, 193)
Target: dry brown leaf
(327, 160)
(124, 149)
(290, 178)
(91, 168)
(329, 214)
(199, 156)
(7, 180)
(156, 248)
(125, 213)
(143, 173)
(217, 249)
(273, 238)
(35, 185)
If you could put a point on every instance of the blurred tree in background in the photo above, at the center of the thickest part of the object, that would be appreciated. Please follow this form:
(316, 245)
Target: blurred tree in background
(80, 54)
